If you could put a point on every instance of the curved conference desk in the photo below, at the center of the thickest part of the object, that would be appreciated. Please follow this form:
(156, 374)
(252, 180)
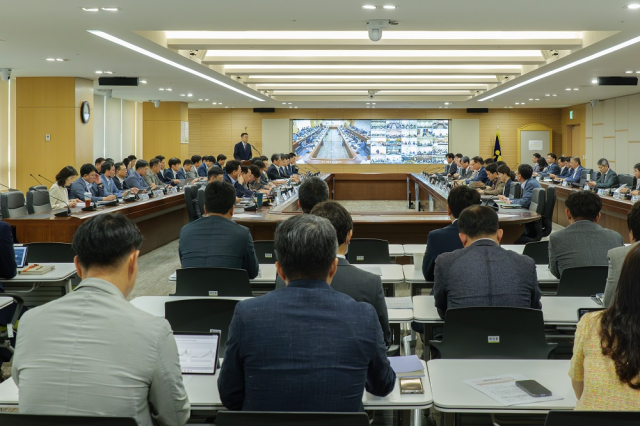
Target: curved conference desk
(161, 219)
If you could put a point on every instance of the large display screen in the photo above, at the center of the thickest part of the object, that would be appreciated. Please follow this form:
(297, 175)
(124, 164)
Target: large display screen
(371, 141)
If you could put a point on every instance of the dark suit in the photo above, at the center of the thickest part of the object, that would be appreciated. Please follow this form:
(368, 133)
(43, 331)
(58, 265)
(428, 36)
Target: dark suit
(485, 274)
(274, 173)
(241, 190)
(527, 193)
(168, 175)
(162, 177)
(565, 171)
(575, 175)
(241, 153)
(443, 240)
(217, 242)
(608, 180)
(80, 186)
(507, 188)
(122, 186)
(203, 170)
(453, 168)
(7, 255)
(480, 177)
(552, 169)
(362, 286)
(305, 347)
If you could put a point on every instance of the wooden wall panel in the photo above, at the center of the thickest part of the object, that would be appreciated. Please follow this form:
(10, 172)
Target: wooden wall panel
(162, 130)
(49, 92)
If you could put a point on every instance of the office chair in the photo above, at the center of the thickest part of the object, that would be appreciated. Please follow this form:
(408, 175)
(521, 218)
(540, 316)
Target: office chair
(584, 281)
(224, 282)
(538, 251)
(592, 418)
(368, 250)
(202, 315)
(627, 179)
(11, 419)
(515, 190)
(200, 197)
(265, 252)
(38, 188)
(50, 253)
(533, 230)
(190, 193)
(38, 202)
(547, 215)
(493, 333)
(249, 418)
(5, 342)
(12, 205)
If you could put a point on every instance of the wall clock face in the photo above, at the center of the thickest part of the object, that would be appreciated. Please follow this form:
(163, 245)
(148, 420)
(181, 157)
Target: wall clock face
(85, 112)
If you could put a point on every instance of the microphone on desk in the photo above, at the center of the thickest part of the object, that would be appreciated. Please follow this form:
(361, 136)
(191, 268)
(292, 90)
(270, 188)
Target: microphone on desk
(59, 214)
(50, 181)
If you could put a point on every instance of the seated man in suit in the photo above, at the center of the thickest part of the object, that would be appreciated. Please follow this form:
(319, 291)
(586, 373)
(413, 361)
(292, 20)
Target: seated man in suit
(511, 281)
(292, 163)
(635, 190)
(273, 172)
(464, 171)
(160, 173)
(565, 169)
(608, 178)
(8, 270)
(232, 175)
(109, 181)
(480, 173)
(616, 256)
(97, 360)
(89, 182)
(495, 186)
(121, 176)
(361, 285)
(552, 167)
(312, 191)
(273, 362)
(583, 242)
(527, 183)
(174, 173)
(220, 160)
(575, 174)
(451, 167)
(132, 162)
(214, 240)
(136, 178)
(152, 177)
(447, 239)
(207, 163)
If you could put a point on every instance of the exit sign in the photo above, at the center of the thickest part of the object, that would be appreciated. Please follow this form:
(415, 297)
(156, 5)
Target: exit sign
(570, 115)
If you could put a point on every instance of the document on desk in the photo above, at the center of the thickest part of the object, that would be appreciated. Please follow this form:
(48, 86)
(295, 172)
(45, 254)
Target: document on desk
(373, 269)
(246, 216)
(399, 302)
(504, 390)
(407, 366)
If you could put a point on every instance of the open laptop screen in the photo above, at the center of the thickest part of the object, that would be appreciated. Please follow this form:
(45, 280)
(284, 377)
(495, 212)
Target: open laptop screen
(198, 351)
(21, 255)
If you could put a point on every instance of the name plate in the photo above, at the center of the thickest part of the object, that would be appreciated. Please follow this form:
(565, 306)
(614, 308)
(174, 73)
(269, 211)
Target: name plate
(143, 197)
(172, 190)
(564, 183)
(618, 195)
(158, 193)
(635, 198)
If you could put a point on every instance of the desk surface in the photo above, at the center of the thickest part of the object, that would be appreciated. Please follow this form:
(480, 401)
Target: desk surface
(62, 272)
(6, 301)
(414, 276)
(555, 310)
(451, 394)
(391, 273)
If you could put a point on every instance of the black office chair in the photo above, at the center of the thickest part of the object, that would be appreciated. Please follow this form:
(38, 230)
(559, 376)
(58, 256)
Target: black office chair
(547, 215)
(515, 190)
(200, 197)
(368, 250)
(190, 193)
(493, 333)
(202, 315)
(38, 202)
(38, 188)
(225, 282)
(265, 252)
(592, 418)
(12, 205)
(538, 251)
(50, 253)
(249, 418)
(533, 230)
(584, 281)
(629, 180)
(5, 343)
(11, 419)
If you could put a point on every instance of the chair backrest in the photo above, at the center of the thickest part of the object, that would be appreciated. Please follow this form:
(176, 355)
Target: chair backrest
(50, 253)
(190, 193)
(225, 282)
(202, 315)
(538, 251)
(38, 188)
(265, 252)
(38, 202)
(368, 250)
(592, 418)
(538, 199)
(200, 196)
(494, 332)
(515, 190)
(12, 204)
(583, 281)
(584, 173)
(249, 418)
(11, 419)
(627, 179)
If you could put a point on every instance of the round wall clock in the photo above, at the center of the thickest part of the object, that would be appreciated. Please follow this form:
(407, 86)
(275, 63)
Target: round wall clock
(85, 112)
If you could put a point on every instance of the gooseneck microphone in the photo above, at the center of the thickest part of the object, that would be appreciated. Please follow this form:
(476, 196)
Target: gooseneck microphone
(254, 147)
(48, 180)
(59, 214)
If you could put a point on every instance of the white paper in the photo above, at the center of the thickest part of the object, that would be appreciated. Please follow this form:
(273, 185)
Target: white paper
(535, 145)
(399, 302)
(504, 390)
(373, 269)
(246, 216)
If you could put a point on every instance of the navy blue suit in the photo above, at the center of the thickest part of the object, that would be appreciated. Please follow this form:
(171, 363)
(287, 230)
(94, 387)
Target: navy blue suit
(527, 193)
(241, 191)
(575, 175)
(552, 169)
(163, 178)
(440, 241)
(480, 177)
(304, 347)
(7, 255)
(240, 153)
(168, 174)
(203, 170)
(274, 173)
(80, 186)
(566, 172)
(452, 168)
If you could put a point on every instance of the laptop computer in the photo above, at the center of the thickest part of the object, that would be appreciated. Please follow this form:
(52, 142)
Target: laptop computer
(185, 182)
(198, 351)
(21, 255)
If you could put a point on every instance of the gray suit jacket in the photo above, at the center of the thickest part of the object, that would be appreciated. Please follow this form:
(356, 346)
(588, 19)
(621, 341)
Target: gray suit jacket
(616, 258)
(93, 352)
(362, 286)
(151, 177)
(485, 274)
(191, 174)
(583, 243)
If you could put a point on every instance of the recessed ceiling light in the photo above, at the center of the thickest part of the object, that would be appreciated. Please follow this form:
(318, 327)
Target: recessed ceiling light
(373, 103)
(510, 107)
(505, 107)
(568, 89)
(97, 72)
(389, 7)
(537, 99)
(369, 7)
(169, 90)
(633, 6)
(189, 95)
(143, 81)
(637, 72)
(296, 107)
(594, 81)
(373, 107)
(575, 88)
(554, 95)
(59, 60)
(90, 9)
(200, 100)
(206, 100)
(51, 59)
(214, 103)
(522, 103)
(629, 72)
(182, 94)
(290, 107)
(110, 9)
(227, 107)
(530, 99)
(161, 89)
(369, 106)
(284, 103)
(368, 103)
(517, 103)
(441, 107)
(547, 94)
(219, 103)
(446, 103)
(108, 72)
(289, 103)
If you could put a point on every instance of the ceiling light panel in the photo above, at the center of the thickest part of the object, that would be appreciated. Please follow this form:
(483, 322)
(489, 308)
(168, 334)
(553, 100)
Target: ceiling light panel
(534, 54)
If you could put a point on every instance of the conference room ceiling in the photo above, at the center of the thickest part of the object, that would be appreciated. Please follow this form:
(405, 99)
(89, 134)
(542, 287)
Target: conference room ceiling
(286, 53)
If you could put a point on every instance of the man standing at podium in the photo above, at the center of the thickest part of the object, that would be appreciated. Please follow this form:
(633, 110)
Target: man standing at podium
(242, 150)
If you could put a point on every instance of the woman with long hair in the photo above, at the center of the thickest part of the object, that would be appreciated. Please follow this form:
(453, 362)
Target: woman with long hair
(605, 368)
(58, 190)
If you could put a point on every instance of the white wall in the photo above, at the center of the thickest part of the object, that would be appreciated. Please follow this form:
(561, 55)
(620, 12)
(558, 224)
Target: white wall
(117, 128)
(276, 136)
(464, 136)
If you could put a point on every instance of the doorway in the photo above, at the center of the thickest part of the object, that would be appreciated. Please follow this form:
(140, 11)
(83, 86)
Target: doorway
(575, 144)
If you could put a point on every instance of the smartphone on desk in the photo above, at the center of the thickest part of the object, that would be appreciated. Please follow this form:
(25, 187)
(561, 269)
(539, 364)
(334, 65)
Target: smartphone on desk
(533, 388)
(411, 385)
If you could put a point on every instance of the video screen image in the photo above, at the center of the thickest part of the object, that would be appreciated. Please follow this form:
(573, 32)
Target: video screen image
(371, 141)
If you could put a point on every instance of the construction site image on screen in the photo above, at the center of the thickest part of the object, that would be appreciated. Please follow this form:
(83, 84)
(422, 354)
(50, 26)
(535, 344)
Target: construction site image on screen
(371, 141)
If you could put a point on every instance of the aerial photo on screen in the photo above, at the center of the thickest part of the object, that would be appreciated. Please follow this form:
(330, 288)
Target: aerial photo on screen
(371, 141)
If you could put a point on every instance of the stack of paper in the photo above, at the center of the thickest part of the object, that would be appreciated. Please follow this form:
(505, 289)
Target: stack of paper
(399, 302)
(504, 390)
(407, 366)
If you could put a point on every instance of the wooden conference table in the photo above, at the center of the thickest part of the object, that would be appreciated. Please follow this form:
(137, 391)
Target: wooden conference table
(160, 219)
